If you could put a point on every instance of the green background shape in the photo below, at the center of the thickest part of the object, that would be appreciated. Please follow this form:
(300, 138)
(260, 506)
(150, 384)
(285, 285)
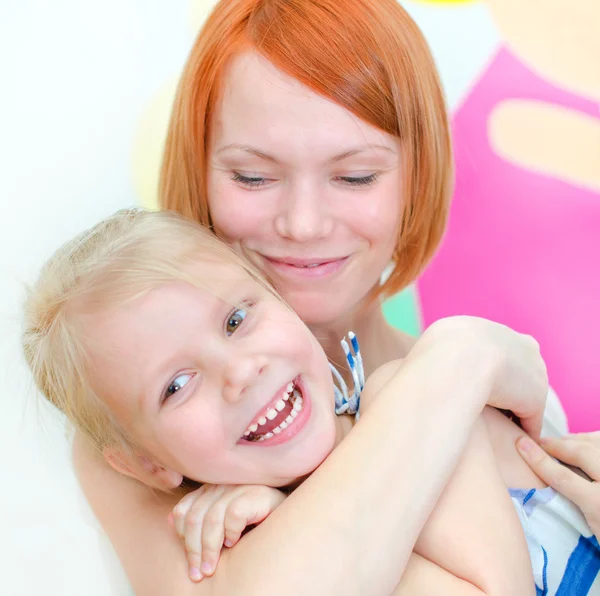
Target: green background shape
(402, 311)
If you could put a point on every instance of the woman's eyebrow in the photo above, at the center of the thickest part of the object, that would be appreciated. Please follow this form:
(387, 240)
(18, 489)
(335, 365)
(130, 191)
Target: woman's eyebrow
(336, 158)
(361, 149)
(249, 149)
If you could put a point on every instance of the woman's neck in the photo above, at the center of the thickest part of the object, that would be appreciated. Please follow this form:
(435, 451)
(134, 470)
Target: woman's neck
(379, 341)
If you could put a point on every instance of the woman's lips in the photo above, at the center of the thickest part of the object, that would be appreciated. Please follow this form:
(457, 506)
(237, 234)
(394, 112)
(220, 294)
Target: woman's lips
(305, 268)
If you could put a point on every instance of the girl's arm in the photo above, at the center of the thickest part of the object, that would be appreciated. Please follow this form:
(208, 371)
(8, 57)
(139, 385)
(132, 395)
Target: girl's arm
(474, 532)
(314, 540)
(473, 542)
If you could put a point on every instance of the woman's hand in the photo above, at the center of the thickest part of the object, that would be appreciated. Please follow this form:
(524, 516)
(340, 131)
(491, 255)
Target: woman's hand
(581, 451)
(216, 515)
(511, 361)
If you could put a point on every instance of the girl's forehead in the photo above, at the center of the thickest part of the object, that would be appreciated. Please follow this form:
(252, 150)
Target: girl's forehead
(220, 275)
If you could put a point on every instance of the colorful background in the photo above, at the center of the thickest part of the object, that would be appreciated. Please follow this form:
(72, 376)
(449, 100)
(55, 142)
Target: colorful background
(86, 93)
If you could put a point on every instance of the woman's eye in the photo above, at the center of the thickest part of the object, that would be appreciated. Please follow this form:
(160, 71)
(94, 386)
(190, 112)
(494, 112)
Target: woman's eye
(358, 180)
(234, 320)
(177, 383)
(249, 181)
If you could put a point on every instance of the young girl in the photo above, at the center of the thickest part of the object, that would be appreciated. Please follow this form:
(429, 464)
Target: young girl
(179, 361)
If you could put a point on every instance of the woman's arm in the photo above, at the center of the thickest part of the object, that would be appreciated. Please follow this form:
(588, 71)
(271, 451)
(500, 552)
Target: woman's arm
(313, 539)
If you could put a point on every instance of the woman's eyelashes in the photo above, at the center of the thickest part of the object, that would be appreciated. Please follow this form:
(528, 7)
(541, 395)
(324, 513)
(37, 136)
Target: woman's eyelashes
(177, 384)
(253, 182)
(250, 181)
(358, 181)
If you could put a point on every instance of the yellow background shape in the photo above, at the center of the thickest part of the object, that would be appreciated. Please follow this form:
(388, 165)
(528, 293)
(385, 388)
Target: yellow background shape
(149, 143)
(199, 11)
(443, 1)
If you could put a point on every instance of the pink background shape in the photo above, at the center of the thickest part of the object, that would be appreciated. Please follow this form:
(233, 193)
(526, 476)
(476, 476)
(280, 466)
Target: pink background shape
(523, 248)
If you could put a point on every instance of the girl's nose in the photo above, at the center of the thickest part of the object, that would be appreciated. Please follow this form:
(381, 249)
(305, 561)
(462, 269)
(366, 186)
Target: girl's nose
(241, 374)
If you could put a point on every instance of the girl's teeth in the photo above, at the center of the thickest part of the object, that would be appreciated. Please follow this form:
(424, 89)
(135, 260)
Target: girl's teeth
(271, 414)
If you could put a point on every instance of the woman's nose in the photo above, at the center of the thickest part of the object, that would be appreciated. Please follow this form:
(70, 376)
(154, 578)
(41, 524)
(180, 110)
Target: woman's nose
(304, 215)
(241, 374)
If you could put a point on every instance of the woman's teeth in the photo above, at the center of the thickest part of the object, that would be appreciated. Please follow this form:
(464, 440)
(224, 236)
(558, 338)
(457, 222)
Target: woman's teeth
(286, 408)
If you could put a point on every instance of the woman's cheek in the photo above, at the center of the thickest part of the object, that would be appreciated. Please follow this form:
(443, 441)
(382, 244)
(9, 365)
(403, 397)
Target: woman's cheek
(238, 214)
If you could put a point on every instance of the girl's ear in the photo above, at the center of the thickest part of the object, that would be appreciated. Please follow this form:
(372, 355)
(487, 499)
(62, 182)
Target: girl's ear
(141, 468)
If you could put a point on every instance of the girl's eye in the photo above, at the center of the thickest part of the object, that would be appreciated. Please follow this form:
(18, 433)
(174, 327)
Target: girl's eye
(234, 320)
(358, 180)
(176, 384)
(249, 181)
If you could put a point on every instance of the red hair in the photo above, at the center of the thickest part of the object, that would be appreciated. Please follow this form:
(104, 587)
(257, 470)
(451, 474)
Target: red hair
(367, 56)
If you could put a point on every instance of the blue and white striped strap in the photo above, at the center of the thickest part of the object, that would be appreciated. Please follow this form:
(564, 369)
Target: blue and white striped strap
(346, 402)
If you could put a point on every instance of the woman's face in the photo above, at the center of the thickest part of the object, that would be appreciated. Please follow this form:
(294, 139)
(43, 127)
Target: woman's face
(218, 393)
(302, 188)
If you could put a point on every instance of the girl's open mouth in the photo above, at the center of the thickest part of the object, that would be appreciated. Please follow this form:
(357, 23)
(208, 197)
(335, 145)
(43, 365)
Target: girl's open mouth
(278, 417)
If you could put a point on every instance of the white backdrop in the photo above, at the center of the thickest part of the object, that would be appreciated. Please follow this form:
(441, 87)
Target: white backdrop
(77, 78)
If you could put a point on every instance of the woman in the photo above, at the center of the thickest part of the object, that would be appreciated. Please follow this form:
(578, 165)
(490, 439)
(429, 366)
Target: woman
(320, 188)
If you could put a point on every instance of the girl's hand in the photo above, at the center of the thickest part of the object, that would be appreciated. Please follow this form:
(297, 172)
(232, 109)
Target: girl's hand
(216, 515)
(581, 451)
(514, 373)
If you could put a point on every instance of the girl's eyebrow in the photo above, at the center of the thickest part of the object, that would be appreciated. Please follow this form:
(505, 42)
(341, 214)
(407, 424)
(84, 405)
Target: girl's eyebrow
(336, 158)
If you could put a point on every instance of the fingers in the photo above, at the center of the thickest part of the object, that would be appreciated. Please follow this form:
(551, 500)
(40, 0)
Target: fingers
(213, 533)
(554, 474)
(239, 512)
(213, 516)
(532, 425)
(189, 516)
(576, 450)
(592, 438)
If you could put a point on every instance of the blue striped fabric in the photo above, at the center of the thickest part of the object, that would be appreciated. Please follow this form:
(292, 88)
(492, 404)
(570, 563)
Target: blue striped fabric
(565, 555)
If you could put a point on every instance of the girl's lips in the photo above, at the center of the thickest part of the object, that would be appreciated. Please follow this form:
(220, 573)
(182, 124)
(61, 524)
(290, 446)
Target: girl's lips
(271, 405)
(294, 428)
(305, 268)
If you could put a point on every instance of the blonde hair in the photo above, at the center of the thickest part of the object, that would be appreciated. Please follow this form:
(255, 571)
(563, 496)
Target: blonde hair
(367, 56)
(117, 260)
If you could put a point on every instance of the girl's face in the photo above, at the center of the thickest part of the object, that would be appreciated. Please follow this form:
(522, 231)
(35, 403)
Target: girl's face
(303, 189)
(199, 382)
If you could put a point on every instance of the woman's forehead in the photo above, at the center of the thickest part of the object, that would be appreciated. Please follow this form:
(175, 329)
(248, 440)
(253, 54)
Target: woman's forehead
(263, 105)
